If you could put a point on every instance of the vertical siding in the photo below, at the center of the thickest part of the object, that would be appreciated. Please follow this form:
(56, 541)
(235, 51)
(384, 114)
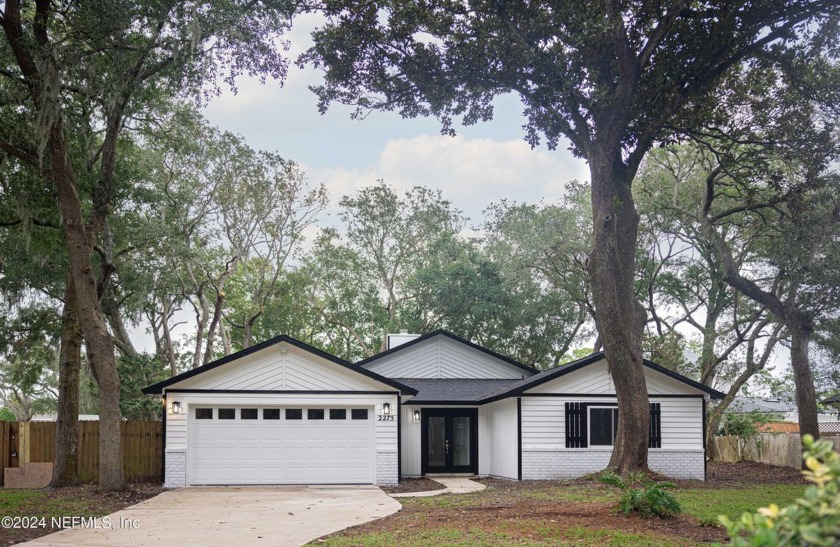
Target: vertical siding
(498, 439)
(442, 357)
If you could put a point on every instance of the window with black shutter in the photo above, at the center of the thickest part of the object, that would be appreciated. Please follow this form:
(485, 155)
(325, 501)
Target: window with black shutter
(597, 424)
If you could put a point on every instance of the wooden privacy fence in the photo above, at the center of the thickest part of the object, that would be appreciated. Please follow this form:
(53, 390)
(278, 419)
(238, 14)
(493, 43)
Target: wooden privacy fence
(142, 445)
(783, 449)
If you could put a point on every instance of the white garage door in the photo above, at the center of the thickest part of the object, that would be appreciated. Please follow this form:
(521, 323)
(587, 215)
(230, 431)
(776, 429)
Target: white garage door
(281, 445)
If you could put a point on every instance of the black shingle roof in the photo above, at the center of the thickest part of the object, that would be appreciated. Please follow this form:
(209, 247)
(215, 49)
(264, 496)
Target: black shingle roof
(453, 390)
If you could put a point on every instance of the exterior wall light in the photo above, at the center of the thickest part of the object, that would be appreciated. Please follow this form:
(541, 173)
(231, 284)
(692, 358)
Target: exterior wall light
(386, 409)
(416, 415)
(176, 407)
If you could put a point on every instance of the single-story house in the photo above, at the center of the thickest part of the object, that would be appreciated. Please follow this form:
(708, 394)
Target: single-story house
(284, 412)
(780, 409)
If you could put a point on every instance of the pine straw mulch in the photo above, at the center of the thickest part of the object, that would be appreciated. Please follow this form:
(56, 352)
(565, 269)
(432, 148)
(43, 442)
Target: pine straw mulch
(73, 501)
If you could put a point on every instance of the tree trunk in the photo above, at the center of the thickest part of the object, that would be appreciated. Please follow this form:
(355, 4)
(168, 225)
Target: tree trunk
(803, 378)
(66, 461)
(167, 336)
(100, 347)
(619, 317)
(120, 333)
(214, 323)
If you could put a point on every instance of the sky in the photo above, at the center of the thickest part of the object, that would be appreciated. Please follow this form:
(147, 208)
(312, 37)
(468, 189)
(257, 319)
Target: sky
(484, 164)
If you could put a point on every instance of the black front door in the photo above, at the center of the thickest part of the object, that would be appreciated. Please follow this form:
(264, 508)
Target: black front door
(449, 440)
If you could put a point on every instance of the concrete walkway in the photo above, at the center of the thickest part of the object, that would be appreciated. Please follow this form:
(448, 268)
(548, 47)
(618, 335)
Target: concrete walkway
(234, 515)
(454, 485)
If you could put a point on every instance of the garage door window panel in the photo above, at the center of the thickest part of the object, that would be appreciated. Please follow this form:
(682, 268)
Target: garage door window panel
(294, 414)
(203, 413)
(359, 414)
(315, 414)
(338, 414)
(248, 414)
(271, 414)
(227, 413)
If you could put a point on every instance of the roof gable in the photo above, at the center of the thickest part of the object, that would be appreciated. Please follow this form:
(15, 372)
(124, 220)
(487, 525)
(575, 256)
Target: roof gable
(441, 354)
(279, 364)
(590, 376)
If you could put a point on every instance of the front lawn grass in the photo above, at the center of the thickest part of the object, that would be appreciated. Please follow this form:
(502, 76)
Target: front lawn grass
(37, 503)
(561, 513)
(577, 535)
(705, 504)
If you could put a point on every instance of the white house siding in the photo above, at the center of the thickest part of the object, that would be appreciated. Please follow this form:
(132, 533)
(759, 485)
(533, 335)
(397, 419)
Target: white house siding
(442, 357)
(281, 367)
(410, 449)
(596, 379)
(545, 456)
(177, 457)
(498, 439)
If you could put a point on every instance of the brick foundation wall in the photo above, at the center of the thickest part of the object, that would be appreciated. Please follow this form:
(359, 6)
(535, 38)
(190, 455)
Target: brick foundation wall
(387, 468)
(176, 467)
(569, 463)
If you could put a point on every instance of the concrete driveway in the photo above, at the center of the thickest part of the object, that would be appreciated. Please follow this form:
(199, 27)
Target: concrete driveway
(235, 515)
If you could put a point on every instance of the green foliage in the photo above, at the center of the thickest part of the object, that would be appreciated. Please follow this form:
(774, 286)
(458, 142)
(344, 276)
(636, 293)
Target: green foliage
(642, 495)
(708, 504)
(7, 415)
(137, 372)
(811, 520)
(744, 424)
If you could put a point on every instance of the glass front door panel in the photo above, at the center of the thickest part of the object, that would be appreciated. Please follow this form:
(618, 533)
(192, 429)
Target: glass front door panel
(461, 440)
(437, 441)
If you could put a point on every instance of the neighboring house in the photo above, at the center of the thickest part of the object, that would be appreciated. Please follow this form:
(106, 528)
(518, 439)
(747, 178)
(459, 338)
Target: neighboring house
(283, 412)
(776, 409)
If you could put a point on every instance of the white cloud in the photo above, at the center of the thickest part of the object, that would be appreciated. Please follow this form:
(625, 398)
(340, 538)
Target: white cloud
(472, 173)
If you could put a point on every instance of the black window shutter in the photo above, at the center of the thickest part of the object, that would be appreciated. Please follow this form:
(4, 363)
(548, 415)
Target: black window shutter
(655, 426)
(576, 425)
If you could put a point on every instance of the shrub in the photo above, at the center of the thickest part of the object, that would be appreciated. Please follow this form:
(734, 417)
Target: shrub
(642, 495)
(811, 520)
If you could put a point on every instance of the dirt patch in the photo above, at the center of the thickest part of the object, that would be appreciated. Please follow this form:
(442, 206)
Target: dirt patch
(407, 486)
(74, 501)
(726, 473)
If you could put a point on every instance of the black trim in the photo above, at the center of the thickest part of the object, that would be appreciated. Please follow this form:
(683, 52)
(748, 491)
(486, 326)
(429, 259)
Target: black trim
(519, 437)
(399, 437)
(705, 455)
(655, 426)
(163, 444)
(441, 332)
(158, 387)
(282, 391)
(613, 395)
(577, 434)
(448, 414)
(444, 403)
(549, 375)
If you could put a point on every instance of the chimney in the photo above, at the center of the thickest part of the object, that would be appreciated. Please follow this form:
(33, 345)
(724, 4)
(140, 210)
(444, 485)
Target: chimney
(395, 340)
